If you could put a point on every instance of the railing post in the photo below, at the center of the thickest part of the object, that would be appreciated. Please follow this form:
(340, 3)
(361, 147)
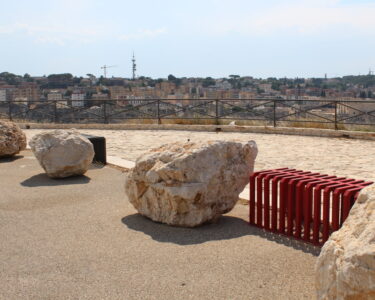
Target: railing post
(336, 127)
(274, 113)
(158, 112)
(105, 112)
(217, 111)
(10, 111)
(55, 112)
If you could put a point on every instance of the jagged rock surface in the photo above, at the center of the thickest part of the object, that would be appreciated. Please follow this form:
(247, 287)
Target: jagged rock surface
(12, 139)
(187, 184)
(346, 266)
(62, 153)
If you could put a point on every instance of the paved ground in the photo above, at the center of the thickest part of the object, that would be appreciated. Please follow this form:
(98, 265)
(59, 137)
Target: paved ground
(79, 238)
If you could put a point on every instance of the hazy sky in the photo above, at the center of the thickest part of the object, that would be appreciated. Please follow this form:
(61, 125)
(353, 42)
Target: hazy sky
(260, 38)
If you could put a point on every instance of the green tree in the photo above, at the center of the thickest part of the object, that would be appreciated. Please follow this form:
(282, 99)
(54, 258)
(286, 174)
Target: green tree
(260, 91)
(60, 80)
(27, 77)
(171, 77)
(10, 78)
(275, 86)
(175, 80)
(208, 81)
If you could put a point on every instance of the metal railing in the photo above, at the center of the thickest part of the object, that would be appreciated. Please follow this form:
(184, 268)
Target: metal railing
(272, 112)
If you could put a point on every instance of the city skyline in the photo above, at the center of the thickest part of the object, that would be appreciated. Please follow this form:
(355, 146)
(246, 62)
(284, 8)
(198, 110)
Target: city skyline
(249, 38)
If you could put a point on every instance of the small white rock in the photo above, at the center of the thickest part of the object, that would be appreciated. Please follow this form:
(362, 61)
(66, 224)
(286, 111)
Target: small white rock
(12, 139)
(62, 153)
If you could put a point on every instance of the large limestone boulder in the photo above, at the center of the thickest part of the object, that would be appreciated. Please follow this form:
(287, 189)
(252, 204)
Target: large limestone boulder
(62, 153)
(12, 139)
(346, 266)
(187, 184)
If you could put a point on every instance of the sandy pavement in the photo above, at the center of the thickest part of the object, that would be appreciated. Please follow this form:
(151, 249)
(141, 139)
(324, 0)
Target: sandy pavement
(334, 156)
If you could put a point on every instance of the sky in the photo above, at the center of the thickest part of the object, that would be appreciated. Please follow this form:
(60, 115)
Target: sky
(216, 38)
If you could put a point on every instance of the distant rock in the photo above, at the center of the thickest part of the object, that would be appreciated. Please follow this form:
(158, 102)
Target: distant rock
(12, 139)
(62, 153)
(188, 184)
(346, 265)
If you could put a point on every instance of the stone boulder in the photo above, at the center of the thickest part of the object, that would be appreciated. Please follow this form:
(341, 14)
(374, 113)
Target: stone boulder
(12, 139)
(346, 265)
(62, 153)
(188, 184)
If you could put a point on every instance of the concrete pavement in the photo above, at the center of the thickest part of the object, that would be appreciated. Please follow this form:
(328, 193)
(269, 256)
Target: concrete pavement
(79, 238)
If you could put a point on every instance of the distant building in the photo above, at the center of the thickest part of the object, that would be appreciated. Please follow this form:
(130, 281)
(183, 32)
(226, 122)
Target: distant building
(78, 99)
(247, 95)
(3, 95)
(54, 96)
(167, 87)
(119, 92)
(27, 90)
(267, 87)
(211, 93)
(144, 92)
(99, 96)
(134, 101)
(7, 91)
(58, 97)
(223, 84)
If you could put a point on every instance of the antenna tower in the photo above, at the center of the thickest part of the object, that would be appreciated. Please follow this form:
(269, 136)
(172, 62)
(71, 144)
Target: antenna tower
(134, 66)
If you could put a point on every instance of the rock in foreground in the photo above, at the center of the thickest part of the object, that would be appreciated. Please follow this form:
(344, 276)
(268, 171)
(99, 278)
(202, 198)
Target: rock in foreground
(346, 266)
(62, 153)
(187, 184)
(12, 139)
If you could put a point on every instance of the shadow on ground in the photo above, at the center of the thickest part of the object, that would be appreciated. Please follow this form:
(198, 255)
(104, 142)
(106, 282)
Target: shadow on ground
(10, 159)
(226, 228)
(96, 165)
(43, 180)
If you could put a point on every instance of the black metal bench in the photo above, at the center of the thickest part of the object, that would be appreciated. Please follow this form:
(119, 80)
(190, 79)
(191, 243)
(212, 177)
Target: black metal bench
(99, 148)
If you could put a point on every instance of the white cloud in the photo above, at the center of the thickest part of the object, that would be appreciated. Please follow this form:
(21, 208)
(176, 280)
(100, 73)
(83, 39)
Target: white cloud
(53, 34)
(303, 17)
(143, 34)
(62, 35)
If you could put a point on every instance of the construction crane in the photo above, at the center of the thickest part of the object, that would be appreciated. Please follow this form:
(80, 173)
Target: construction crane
(105, 67)
(134, 66)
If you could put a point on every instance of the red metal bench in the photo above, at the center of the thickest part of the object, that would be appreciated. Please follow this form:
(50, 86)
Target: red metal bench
(301, 204)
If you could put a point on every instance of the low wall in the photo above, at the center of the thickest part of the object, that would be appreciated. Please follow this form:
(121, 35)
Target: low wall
(212, 128)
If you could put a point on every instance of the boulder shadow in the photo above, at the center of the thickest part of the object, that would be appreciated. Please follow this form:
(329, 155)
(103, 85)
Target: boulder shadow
(10, 159)
(96, 165)
(43, 180)
(227, 227)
